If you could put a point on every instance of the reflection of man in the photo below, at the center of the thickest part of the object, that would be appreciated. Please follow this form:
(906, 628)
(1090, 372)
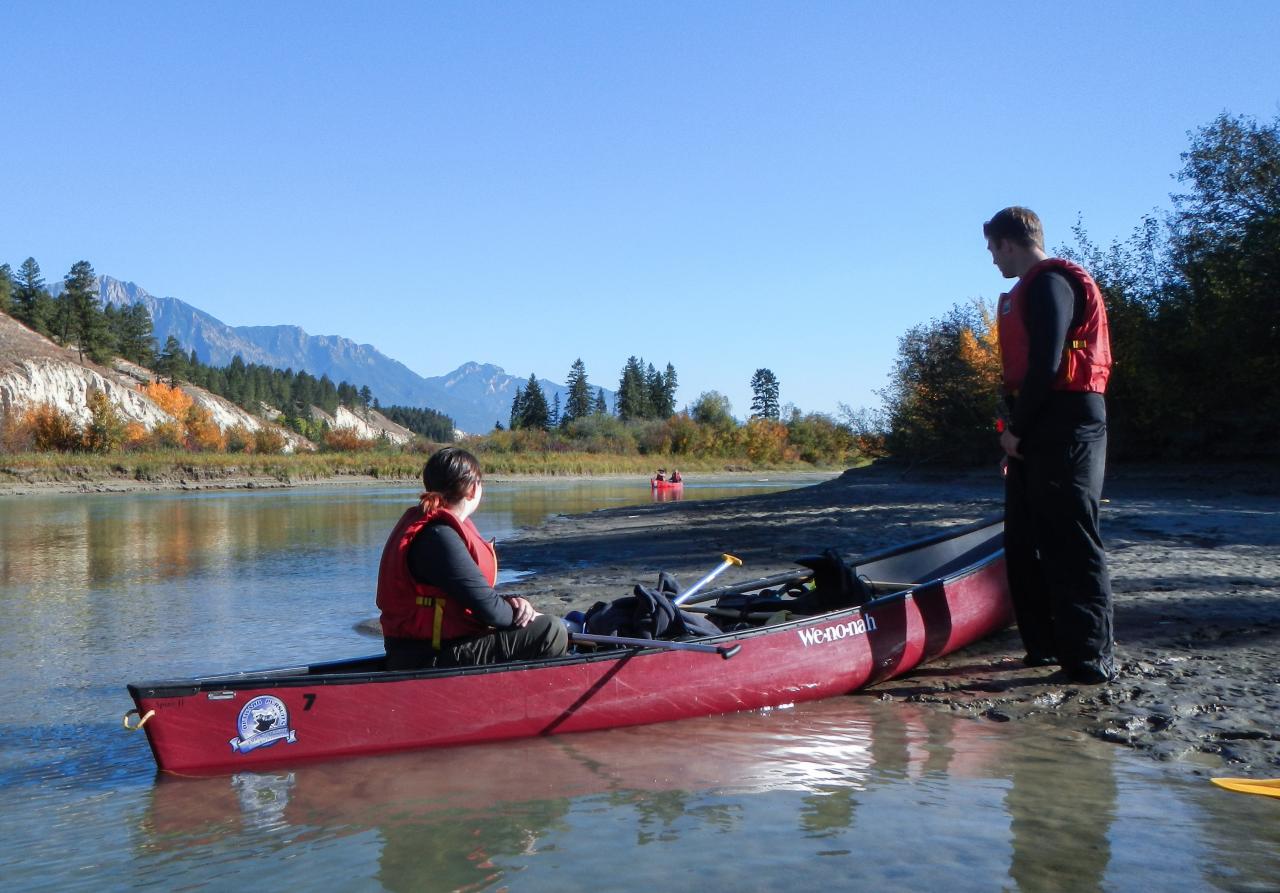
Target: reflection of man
(1060, 816)
(468, 851)
(1055, 354)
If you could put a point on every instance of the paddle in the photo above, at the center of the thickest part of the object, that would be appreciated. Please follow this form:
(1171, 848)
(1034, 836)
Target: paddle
(728, 562)
(789, 579)
(1267, 787)
(725, 651)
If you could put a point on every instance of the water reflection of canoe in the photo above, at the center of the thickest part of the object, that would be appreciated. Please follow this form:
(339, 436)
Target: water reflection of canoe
(807, 750)
(931, 597)
(666, 485)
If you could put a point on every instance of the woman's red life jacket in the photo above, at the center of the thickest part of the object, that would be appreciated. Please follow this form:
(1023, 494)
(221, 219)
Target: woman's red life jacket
(1086, 357)
(413, 610)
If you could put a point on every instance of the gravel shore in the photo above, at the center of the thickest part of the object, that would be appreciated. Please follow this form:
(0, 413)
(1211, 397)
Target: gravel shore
(1195, 562)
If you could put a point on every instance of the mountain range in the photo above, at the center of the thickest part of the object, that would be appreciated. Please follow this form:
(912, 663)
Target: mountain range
(475, 395)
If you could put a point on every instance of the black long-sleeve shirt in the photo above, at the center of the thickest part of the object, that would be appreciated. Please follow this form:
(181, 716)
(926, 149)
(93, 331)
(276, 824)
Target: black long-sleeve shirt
(1039, 413)
(438, 557)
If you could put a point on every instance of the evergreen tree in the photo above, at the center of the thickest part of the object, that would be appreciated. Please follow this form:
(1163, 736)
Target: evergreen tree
(517, 409)
(6, 289)
(764, 388)
(653, 392)
(669, 384)
(435, 426)
(553, 417)
(535, 413)
(633, 392)
(134, 335)
(601, 407)
(578, 401)
(366, 396)
(172, 362)
(32, 304)
(81, 316)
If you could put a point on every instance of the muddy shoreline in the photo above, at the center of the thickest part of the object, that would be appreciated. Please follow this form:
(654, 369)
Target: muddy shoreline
(1195, 561)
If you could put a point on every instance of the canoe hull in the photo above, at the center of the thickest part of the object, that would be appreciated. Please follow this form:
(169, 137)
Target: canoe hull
(252, 721)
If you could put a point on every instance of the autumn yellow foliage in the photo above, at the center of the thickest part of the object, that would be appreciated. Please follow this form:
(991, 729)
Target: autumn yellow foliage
(172, 400)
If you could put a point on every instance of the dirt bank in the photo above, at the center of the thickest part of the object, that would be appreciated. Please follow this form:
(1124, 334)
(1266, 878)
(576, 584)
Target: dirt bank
(1195, 558)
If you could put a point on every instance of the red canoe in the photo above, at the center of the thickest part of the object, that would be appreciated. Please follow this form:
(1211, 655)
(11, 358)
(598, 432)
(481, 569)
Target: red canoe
(938, 595)
(665, 485)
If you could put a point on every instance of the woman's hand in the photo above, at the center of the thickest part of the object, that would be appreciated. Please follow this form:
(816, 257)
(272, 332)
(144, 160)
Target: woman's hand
(524, 611)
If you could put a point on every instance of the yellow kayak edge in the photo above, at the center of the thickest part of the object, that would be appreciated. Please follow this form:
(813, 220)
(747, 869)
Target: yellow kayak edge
(1267, 787)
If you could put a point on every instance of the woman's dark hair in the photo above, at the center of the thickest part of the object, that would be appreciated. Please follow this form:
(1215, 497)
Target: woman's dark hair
(448, 476)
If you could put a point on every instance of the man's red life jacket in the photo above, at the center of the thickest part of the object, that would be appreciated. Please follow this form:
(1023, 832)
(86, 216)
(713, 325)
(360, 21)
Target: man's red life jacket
(413, 610)
(1086, 356)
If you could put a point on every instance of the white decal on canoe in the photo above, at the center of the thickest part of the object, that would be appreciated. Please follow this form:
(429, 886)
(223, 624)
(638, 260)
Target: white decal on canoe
(263, 721)
(856, 627)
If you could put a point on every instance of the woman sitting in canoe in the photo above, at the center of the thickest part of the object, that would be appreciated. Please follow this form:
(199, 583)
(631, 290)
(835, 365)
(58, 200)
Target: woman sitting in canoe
(436, 579)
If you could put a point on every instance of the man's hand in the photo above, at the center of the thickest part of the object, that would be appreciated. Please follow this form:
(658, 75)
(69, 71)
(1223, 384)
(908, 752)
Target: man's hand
(1009, 444)
(523, 610)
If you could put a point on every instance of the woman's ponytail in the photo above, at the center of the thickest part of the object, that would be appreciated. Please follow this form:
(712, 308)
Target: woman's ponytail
(447, 478)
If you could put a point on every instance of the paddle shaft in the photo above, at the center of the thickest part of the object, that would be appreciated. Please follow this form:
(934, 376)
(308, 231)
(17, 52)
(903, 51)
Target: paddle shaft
(792, 578)
(728, 562)
(725, 651)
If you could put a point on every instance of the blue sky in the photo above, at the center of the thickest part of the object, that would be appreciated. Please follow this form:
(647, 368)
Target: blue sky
(722, 186)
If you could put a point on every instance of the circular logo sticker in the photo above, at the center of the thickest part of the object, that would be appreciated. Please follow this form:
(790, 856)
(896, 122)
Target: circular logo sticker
(262, 722)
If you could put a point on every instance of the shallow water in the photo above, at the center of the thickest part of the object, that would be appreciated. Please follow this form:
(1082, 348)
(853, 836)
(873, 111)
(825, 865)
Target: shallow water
(97, 591)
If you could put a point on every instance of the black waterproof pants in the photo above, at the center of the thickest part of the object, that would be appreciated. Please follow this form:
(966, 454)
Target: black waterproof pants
(545, 636)
(1056, 563)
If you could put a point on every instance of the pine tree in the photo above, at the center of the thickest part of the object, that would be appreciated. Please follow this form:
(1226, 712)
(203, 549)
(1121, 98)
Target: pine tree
(535, 414)
(32, 304)
(666, 398)
(134, 337)
(601, 407)
(764, 387)
(517, 409)
(172, 362)
(578, 402)
(633, 394)
(80, 315)
(6, 289)
(553, 417)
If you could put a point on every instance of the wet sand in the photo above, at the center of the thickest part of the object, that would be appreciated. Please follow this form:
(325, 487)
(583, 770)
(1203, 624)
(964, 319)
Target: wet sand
(1195, 562)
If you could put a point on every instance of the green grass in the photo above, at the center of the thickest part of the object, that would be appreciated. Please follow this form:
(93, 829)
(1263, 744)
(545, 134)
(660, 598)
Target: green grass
(171, 467)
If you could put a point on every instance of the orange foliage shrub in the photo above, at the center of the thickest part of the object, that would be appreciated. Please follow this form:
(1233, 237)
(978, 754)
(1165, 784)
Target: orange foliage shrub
(167, 436)
(136, 437)
(765, 441)
(15, 436)
(52, 429)
(201, 434)
(172, 400)
(239, 439)
(980, 350)
(346, 440)
(268, 441)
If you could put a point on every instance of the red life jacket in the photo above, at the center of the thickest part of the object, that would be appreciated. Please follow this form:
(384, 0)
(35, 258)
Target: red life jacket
(1086, 356)
(413, 610)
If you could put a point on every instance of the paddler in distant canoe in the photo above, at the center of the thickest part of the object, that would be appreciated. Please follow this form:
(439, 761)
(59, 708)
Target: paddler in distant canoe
(436, 579)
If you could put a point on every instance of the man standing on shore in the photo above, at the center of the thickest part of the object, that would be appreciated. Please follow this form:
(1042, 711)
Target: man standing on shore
(1055, 355)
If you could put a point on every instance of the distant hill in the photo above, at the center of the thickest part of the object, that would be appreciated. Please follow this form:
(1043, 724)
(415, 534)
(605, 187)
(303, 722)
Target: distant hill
(475, 395)
(34, 371)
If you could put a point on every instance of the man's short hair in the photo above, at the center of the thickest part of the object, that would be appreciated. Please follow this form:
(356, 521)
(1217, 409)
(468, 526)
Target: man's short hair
(1018, 225)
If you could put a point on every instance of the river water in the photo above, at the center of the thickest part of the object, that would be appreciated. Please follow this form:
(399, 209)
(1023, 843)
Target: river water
(850, 793)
